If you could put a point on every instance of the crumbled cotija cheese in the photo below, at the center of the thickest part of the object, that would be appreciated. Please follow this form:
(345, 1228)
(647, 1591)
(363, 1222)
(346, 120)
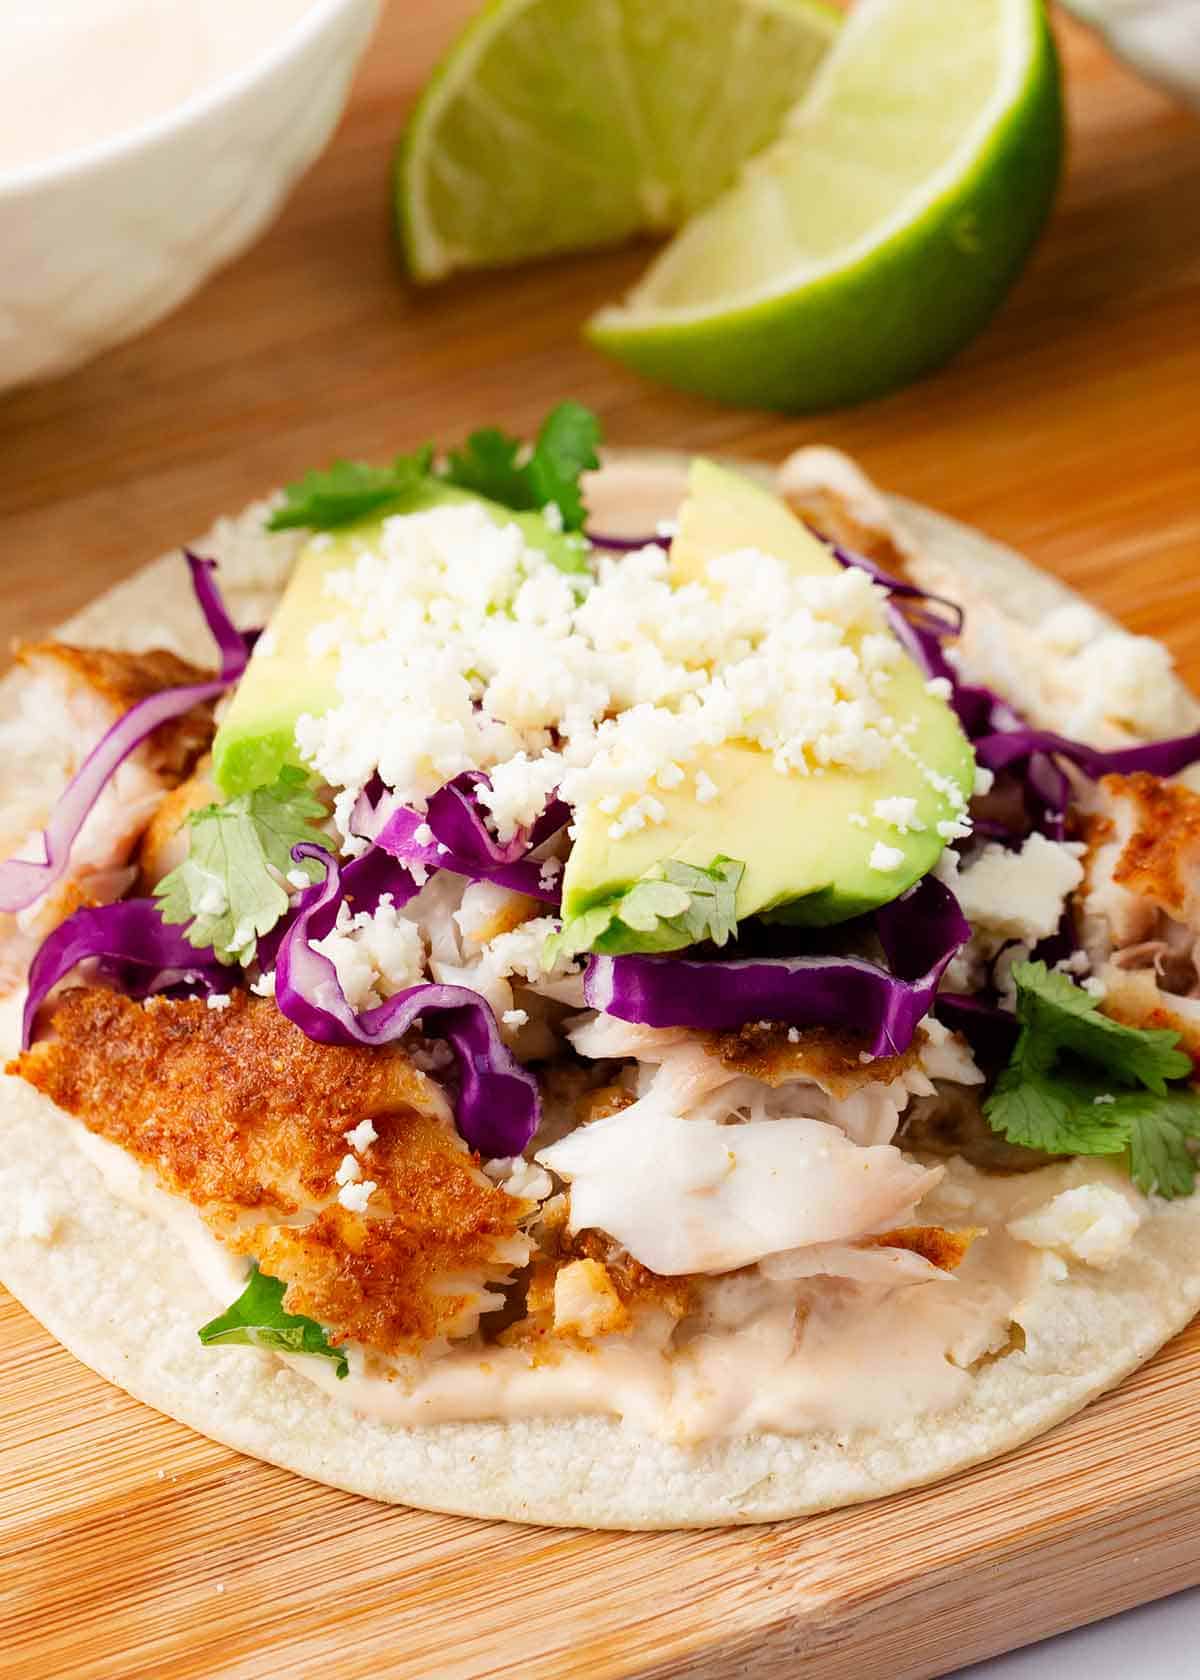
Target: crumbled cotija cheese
(1094, 1223)
(376, 953)
(460, 647)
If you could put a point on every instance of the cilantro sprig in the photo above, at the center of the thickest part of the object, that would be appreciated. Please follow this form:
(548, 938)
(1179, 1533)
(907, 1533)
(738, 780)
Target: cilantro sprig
(1079, 1083)
(349, 490)
(491, 463)
(257, 1319)
(231, 886)
(675, 905)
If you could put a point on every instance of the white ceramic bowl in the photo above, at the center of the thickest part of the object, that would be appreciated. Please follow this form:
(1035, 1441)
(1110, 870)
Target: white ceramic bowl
(96, 245)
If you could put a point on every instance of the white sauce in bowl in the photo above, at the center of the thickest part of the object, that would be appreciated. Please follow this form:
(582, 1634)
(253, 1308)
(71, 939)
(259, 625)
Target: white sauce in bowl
(75, 73)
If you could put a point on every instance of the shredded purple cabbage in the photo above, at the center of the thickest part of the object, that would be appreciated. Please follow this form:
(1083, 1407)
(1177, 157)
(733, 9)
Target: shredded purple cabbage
(990, 1030)
(22, 881)
(1002, 740)
(136, 952)
(461, 841)
(626, 545)
(497, 1109)
(920, 932)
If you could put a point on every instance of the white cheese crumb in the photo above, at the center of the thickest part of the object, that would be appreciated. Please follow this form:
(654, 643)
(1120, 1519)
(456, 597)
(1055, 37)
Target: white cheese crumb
(354, 1197)
(793, 1035)
(514, 1018)
(1095, 986)
(264, 986)
(1020, 895)
(954, 828)
(460, 646)
(1093, 1223)
(349, 1171)
(885, 859)
(518, 1177)
(298, 879)
(552, 514)
(423, 834)
(940, 687)
(219, 1000)
(706, 789)
(985, 780)
(376, 953)
(1106, 1098)
(900, 813)
(361, 1136)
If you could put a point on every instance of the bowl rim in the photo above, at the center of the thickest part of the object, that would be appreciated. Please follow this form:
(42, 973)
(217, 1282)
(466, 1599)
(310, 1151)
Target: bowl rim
(316, 15)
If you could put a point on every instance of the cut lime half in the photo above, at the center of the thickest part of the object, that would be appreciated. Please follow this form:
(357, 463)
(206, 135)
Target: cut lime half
(555, 125)
(878, 233)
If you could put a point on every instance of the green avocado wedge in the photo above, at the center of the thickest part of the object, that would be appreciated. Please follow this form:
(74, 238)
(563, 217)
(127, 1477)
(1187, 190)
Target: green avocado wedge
(289, 677)
(806, 841)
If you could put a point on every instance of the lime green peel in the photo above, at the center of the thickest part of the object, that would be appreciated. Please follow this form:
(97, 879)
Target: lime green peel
(877, 234)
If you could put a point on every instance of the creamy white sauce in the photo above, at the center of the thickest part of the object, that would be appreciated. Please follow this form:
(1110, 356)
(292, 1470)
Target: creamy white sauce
(76, 72)
(816, 1353)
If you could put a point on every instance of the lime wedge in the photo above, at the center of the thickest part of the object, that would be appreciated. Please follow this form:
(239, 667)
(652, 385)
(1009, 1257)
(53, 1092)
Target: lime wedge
(882, 228)
(554, 125)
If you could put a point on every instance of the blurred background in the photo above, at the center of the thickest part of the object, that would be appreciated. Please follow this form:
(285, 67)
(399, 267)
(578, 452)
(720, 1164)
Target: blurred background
(1067, 426)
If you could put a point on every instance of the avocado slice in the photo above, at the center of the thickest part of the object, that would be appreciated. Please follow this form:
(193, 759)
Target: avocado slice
(285, 679)
(806, 841)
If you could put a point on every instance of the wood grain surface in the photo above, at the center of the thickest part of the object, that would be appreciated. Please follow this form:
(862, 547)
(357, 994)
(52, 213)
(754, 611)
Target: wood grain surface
(131, 1547)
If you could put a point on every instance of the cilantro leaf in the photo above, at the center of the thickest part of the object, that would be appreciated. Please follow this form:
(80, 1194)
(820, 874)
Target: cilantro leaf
(1054, 1112)
(1056, 1094)
(565, 449)
(1058, 1011)
(349, 490)
(498, 466)
(257, 1319)
(1159, 1129)
(230, 886)
(491, 463)
(488, 465)
(674, 906)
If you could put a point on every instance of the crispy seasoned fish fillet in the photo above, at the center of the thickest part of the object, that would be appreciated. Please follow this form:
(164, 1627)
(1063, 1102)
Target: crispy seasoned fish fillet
(236, 1110)
(67, 698)
(1140, 902)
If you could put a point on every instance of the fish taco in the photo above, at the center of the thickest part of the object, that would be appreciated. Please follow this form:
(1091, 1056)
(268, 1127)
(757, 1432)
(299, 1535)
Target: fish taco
(640, 994)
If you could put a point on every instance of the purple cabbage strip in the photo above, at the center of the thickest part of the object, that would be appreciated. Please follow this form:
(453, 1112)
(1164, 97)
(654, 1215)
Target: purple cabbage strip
(989, 1030)
(364, 882)
(22, 881)
(1014, 747)
(138, 954)
(462, 843)
(497, 1108)
(1001, 738)
(920, 933)
(626, 545)
(901, 591)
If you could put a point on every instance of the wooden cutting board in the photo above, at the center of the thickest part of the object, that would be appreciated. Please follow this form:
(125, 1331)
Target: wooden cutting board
(130, 1547)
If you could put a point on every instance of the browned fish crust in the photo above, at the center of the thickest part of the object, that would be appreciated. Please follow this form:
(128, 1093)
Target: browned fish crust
(238, 1111)
(831, 516)
(122, 680)
(820, 1053)
(1165, 840)
(942, 1248)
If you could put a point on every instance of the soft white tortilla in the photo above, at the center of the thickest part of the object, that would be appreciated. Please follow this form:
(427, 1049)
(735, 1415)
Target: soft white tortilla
(113, 1285)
